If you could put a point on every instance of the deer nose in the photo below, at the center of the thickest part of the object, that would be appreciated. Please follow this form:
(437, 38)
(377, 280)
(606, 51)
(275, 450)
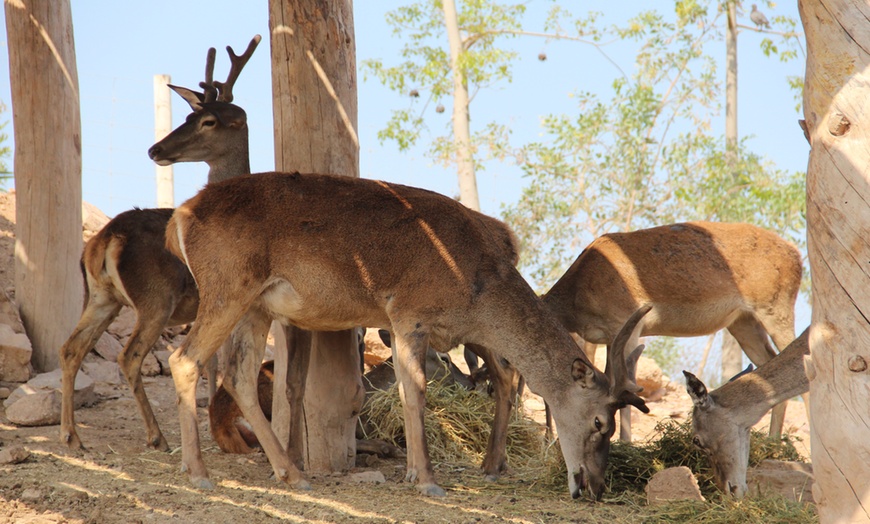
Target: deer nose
(154, 150)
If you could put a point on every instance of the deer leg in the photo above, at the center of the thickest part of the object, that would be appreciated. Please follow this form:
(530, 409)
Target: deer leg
(212, 327)
(241, 381)
(752, 337)
(504, 391)
(145, 333)
(409, 353)
(95, 319)
(298, 358)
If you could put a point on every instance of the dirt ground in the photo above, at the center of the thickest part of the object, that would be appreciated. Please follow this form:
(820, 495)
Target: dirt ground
(119, 480)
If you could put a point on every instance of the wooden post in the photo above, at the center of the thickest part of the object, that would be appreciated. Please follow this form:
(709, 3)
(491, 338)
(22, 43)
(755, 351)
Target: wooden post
(48, 172)
(315, 112)
(838, 238)
(162, 127)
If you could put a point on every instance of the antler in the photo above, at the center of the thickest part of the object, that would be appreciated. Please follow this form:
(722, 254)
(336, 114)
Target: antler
(237, 63)
(209, 91)
(620, 369)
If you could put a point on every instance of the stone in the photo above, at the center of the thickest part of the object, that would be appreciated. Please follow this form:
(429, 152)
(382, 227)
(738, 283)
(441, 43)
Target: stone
(93, 220)
(649, 377)
(38, 409)
(376, 351)
(122, 326)
(104, 371)
(45, 383)
(369, 477)
(9, 314)
(673, 484)
(150, 366)
(14, 455)
(162, 357)
(15, 354)
(108, 347)
(791, 480)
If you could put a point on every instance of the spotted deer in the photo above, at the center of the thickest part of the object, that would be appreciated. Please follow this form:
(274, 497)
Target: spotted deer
(722, 418)
(308, 249)
(126, 263)
(699, 277)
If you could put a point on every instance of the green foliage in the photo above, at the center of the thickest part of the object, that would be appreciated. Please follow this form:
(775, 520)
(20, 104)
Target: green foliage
(667, 353)
(5, 150)
(645, 155)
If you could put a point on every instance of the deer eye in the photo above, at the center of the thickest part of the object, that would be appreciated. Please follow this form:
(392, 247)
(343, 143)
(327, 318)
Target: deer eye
(208, 123)
(597, 424)
(697, 442)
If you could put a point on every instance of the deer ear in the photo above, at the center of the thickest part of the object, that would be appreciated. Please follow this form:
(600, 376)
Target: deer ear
(748, 369)
(697, 390)
(193, 98)
(582, 372)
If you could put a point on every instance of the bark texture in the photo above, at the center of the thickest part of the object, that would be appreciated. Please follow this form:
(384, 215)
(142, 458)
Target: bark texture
(838, 230)
(314, 94)
(48, 168)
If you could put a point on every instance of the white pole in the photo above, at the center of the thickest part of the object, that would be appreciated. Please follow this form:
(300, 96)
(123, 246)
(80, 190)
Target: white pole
(162, 127)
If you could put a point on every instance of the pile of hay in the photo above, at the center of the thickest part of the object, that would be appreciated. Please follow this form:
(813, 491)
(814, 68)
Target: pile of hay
(458, 425)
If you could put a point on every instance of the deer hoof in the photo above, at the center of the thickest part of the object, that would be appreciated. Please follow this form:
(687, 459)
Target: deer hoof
(202, 483)
(431, 490)
(301, 484)
(491, 477)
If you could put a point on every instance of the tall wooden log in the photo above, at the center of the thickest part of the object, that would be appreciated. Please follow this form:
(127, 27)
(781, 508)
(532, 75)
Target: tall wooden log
(838, 235)
(315, 114)
(48, 172)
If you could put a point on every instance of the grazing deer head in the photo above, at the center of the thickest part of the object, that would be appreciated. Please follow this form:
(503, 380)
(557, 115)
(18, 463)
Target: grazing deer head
(216, 132)
(306, 249)
(722, 418)
(700, 277)
(126, 264)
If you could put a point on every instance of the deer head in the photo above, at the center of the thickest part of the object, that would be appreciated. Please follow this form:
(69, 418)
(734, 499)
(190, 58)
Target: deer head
(216, 132)
(723, 440)
(597, 398)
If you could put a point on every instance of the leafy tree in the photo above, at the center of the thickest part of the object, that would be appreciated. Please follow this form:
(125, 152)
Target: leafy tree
(5, 150)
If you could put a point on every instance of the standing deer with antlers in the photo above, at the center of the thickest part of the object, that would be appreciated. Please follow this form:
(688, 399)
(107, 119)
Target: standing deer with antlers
(699, 277)
(287, 246)
(722, 418)
(127, 264)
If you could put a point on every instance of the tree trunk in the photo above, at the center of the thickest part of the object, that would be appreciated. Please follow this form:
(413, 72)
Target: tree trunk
(315, 113)
(838, 237)
(732, 355)
(48, 172)
(461, 129)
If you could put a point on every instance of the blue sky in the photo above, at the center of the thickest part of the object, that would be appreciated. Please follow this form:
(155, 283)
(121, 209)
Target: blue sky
(120, 46)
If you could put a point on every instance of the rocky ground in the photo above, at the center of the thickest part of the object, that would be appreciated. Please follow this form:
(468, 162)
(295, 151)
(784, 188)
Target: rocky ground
(119, 480)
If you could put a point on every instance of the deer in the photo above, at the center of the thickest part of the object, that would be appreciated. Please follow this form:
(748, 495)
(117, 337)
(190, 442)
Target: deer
(699, 277)
(722, 418)
(286, 246)
(126, 263)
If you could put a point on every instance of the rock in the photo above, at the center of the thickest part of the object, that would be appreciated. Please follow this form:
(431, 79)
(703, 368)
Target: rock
(93, 220)
(5, 392)
(104, 371)
(792, 480)
(31, 495)
(673, 484)
(649, 377)
(39, 409)
(45, 383)
(14, 455)
(162, 357)
(122, 326)
(9, 314)
(376, 352)
(371, 477)
(15, 354)
(150, 366)
(108, 347)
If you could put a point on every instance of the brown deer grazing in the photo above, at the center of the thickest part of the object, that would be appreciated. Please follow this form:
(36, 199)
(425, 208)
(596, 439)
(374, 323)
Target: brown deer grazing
(699, 277)
(722, 418)
(288, 247)
(126, 263)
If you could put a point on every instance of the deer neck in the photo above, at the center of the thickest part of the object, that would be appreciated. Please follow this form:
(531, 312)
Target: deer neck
(233, 162)
(779, 379)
